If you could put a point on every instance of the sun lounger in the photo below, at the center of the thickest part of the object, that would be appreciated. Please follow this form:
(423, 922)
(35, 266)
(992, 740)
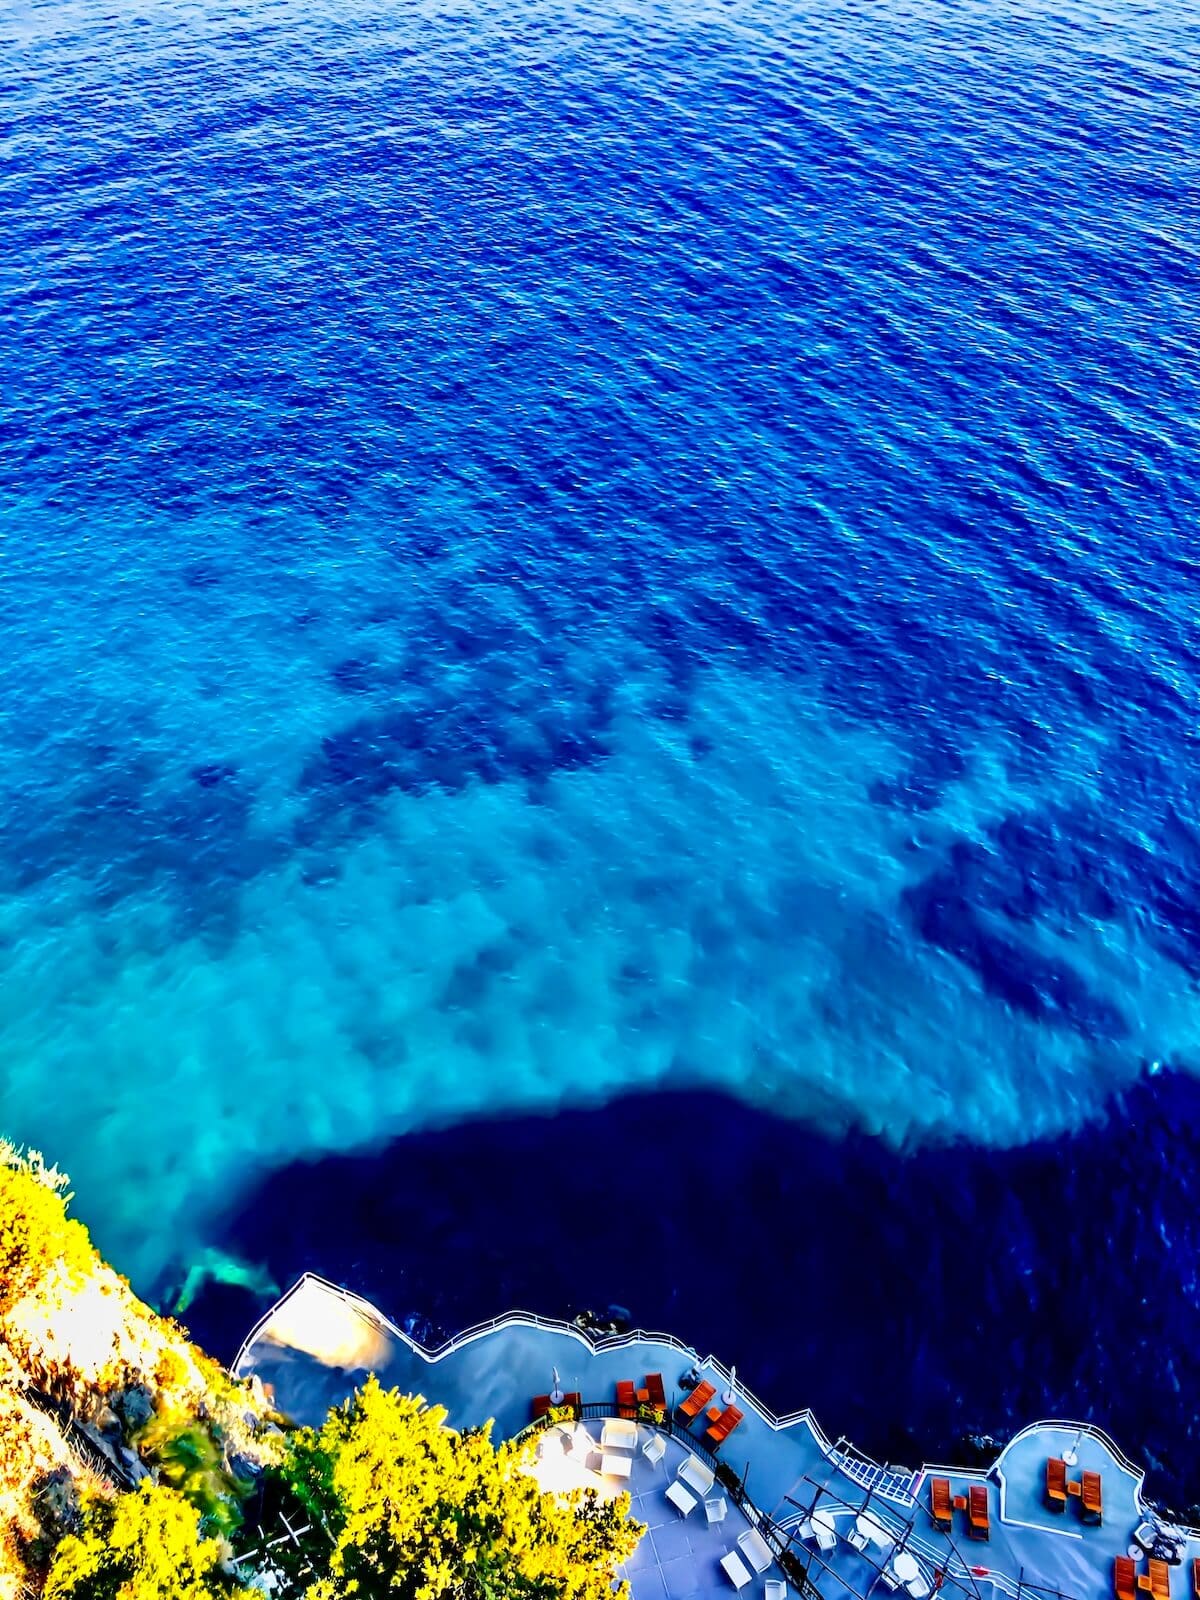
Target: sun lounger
(755, 1549)
(1196, 1577)
(626, 1400)
(697, 1400)
(654, 1388)
(735, 1570)
(939, 1504)
(1125, 1579)
(979, 1524)
(696, 1475)
(1056, 1484)
(717, 1432)
(1089, 1498)
(1160, 1580)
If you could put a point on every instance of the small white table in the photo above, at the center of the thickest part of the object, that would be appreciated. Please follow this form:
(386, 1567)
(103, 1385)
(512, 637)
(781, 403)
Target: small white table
(615, 1466)
(683, 1502)
(716, 1509)
(825, 1529)
(872, 1530)
(735, 1569)
(905, 1567)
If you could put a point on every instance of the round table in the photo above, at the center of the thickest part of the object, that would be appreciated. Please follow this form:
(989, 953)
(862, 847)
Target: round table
(870, 1529)
(905, 1567)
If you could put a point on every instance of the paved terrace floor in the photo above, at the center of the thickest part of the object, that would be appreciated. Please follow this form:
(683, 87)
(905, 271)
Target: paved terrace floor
(679, 1558)
(318, 1343)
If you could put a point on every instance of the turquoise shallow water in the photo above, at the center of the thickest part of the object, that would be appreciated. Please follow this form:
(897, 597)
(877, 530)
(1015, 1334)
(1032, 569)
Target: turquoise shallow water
(556, 552)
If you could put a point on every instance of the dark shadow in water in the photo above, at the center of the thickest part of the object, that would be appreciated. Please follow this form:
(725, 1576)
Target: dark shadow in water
(910, 1300)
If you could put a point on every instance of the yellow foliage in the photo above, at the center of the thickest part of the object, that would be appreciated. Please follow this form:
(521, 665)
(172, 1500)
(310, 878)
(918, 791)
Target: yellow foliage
(75, 1330)
(418, 1511)
(31, 1449)
(145, 1545)
(37, 1238)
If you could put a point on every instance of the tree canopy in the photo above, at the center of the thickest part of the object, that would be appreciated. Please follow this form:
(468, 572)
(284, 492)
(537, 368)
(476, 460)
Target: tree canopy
(400, 1505)
(145, 1545)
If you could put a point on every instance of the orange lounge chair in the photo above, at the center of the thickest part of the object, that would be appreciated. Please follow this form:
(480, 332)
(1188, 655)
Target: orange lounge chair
(697, 1400)
(1089, 1498)
(654, 1388)
(979, 1523)
(626, 1400)
(1056, 1484)
(1125, 1578)
(1196, 1577)
(940, 1506)
(719, 1431)
(1160, 1580)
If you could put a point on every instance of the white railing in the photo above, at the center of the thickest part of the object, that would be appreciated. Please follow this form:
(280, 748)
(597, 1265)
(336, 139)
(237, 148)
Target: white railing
(901, 1488)
(898, 1486)
(530, 1319)
(1086, 1430)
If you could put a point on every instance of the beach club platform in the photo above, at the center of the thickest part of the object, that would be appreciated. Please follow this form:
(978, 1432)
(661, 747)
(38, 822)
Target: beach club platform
(736, 1499)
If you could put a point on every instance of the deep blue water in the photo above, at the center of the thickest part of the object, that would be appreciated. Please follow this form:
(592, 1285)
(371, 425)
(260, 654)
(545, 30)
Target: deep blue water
(924, 1306)
(567, 553)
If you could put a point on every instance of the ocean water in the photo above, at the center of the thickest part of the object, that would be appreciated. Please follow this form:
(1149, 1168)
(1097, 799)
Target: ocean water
(565, 552)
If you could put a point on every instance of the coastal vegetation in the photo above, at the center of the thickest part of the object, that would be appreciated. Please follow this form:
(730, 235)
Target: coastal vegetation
(129, 1457)
(418, 1511)
(147, 1544)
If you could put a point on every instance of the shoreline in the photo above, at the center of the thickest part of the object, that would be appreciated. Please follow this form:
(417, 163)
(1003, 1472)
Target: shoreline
(919, 1300)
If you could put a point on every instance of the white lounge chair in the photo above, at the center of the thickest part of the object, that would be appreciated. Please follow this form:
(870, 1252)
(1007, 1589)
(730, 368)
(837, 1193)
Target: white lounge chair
(774, 1590)
(696, 1475)
(755, 1549)
(679, 1497)
(735, 1570)
(619, 1434)
(917, 1587)
(826, 1537)
(582, 1443)
(654, 1449)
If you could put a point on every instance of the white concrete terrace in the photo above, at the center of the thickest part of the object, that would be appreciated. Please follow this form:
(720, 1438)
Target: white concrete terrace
(319, 1342)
